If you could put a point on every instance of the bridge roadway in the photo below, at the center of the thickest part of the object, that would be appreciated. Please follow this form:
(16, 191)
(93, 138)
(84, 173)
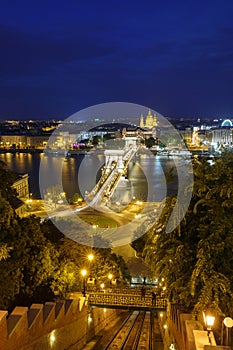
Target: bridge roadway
(127, 299)
(108, 182)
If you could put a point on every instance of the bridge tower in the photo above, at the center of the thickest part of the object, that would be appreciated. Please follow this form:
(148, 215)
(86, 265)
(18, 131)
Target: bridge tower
(131, 142)
(114, 156)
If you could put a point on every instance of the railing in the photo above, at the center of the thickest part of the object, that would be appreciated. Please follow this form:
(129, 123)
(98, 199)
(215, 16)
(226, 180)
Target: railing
(104, 178)
(130, 300)
(103, 187)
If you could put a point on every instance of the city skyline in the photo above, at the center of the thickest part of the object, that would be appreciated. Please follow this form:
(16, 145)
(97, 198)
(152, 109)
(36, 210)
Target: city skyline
(174, 58)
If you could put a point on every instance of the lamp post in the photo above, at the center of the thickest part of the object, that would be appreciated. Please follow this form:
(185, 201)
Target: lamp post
(84, 273)
(228, 323)
(90, 257)
(209, 321)
(110, 276)
(95, 227)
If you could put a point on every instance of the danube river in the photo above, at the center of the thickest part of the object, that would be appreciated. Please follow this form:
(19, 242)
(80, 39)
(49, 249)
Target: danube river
(146, 174)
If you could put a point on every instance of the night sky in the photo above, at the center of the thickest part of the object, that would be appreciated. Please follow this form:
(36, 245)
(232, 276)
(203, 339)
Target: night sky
(59, 57)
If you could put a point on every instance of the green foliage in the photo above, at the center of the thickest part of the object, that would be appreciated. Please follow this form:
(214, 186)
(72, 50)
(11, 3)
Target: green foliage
(96, 140)
(77, 199)
(37, 261)
(150, 142)
(6, 182)
(4, 251)
(196, 258)
(55, 195)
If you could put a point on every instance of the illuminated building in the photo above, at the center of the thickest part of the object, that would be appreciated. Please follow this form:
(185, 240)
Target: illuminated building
(149, 122)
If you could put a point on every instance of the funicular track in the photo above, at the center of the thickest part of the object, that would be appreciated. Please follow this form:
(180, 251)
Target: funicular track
(136, 332)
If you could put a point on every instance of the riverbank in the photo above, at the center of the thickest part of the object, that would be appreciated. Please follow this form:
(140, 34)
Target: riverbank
(21, 150)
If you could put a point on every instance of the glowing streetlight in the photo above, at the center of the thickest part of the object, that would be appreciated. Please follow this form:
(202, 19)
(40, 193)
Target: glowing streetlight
(137, 216)
(84, 273)
(90, 257)
(228, 323)
(209, 321)
(95, 227)
(110, 276)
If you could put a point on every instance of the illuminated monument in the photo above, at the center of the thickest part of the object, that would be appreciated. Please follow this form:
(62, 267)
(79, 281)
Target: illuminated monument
(149, 122)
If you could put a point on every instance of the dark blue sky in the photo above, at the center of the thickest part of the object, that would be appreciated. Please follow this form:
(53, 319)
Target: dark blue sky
(58, 57)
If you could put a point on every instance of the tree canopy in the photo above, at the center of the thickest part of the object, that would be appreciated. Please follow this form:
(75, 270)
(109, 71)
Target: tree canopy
(37, 261)
(196, 258)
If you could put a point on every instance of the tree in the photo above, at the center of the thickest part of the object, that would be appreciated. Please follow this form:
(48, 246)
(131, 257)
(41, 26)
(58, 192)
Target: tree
(77, 199)
(6, 182)
(4, 251)
(55, 195)
(11, 272)
(150, 142)
(36, 259)
(196, 258)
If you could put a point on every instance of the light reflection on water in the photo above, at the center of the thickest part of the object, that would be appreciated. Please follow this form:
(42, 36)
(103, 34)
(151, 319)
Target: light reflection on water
(145, 174)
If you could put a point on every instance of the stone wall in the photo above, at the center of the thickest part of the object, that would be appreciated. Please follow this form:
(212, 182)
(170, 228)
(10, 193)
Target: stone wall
(186, 333)
(67, 324)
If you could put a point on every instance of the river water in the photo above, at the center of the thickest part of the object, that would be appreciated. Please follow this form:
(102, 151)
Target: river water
(146, 174)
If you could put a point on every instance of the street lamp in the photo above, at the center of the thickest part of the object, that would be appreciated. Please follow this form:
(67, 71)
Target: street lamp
(228, 323)
(84, 273)
(110, 276)
(90, 257)
(209, 321)
(90, 280)
(95, 228)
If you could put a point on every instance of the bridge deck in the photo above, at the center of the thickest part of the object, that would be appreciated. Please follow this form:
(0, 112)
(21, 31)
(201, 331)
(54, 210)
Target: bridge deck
(126, 301)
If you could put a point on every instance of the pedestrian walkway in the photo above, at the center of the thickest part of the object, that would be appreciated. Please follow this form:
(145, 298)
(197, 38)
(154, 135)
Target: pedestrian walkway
(127, 299)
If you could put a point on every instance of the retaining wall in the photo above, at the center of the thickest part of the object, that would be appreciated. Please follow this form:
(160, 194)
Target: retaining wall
(60, 325)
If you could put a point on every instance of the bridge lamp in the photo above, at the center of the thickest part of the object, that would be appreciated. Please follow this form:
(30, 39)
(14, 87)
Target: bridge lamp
(84, 273)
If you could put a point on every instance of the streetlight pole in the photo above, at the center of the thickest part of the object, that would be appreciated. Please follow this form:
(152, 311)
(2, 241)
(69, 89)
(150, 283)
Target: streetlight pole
(209, 321)
(110, 276)
(228, 322)
(95, 227)
(83, 273)
(90, 258)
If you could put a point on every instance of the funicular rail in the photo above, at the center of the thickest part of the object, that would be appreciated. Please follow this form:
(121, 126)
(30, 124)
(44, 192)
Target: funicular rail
(134, 333)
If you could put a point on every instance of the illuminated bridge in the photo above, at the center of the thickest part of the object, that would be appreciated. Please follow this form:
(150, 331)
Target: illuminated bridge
(115, 170)
(128, 299)
(113, 175)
